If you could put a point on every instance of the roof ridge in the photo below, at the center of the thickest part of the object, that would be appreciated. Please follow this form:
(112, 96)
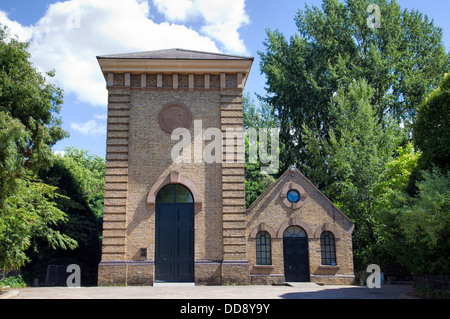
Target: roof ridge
(206, 52)
(175, 53)
(294, 169)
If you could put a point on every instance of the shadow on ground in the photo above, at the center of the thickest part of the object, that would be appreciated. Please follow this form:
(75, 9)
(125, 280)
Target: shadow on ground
(354, 292)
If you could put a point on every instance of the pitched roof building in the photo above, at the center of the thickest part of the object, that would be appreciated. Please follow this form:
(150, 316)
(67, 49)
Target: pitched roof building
(173, 215)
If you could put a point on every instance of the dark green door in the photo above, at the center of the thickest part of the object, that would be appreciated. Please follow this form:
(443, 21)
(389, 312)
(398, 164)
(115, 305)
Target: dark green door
(296, 255)
(174, 251)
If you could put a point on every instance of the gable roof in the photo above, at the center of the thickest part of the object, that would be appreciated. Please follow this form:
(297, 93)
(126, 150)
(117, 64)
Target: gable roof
(175, 54)
(294, 170)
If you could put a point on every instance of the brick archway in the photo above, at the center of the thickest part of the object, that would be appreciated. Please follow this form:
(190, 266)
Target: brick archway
(262, 227)
(175, 178)
(295, 222)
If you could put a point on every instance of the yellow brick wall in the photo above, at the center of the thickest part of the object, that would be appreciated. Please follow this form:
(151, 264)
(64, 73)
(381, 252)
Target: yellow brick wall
(315, 213)
(139, 154)
(150, 160)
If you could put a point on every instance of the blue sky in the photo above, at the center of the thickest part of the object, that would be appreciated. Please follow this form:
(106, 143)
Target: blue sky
(67, 35)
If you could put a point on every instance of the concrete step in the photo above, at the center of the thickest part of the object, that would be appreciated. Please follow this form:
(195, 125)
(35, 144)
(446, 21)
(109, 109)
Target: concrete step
(304, 284)
(173, 284)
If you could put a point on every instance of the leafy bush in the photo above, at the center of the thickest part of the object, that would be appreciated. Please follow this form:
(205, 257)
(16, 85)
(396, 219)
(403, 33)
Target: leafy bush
(13, 282)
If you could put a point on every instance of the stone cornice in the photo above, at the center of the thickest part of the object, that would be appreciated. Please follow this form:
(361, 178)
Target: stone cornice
(137, 66)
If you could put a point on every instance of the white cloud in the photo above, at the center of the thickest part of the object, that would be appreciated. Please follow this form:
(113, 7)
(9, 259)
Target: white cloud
(175, 10)
(222, 18)
(90, 127)
(72, 33)
(15, 28)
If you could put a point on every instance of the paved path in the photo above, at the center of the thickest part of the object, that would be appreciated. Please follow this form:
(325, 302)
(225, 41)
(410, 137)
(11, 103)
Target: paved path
(296, 291)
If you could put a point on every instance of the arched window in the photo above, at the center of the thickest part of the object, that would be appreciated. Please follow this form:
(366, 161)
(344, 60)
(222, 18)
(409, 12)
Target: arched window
(328, 248)
(263, 249)
(294, 231)
(174, 193)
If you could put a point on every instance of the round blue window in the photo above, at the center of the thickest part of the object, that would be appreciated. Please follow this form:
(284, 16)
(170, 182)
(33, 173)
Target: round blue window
(293, 196)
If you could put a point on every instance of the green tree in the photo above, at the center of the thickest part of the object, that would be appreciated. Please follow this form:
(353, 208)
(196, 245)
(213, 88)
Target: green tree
(89, 177)
(256, 118)
(398, 171)
(425, 222)
(79, 178)
(402, 61)
(392, 193)
(29, 126)
(30, 216)
(29, 105)
(350, 163)
(432, 128)
(13, 135)
(26, 95)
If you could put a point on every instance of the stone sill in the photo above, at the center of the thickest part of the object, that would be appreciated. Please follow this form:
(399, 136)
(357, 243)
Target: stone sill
(263, 266)
(329, 267)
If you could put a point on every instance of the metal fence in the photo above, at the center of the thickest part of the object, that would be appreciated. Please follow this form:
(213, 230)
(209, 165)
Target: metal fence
(435, 282)
(56, 275)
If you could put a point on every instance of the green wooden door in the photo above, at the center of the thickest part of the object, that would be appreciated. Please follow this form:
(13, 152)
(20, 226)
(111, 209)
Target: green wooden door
(174, 251)
(296, 255)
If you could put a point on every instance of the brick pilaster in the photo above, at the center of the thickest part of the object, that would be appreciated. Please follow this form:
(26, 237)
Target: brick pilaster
(233, 174)
(116, 173)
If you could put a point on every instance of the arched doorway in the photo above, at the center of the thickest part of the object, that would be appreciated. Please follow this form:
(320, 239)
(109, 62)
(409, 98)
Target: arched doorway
(174, 249)
(296, 256)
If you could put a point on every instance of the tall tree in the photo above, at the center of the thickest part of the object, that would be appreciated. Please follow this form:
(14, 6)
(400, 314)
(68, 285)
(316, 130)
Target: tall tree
(414, 229)
(349, 164)
(13, 136)
(89, 177)
(30, 215)
(29, 126)
(432, 128)
(402, 61)
(392, 193)
(79, 178)
(258, 119)
(29, 107)
(425, 223)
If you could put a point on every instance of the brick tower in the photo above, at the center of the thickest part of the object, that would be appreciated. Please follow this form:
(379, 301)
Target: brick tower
(166, 220)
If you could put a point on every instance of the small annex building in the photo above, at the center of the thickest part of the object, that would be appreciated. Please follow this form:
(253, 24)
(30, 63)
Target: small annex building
(166, 220)
(295, 233)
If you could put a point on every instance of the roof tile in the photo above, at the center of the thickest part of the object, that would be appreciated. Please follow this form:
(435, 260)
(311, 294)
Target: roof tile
(175, 54)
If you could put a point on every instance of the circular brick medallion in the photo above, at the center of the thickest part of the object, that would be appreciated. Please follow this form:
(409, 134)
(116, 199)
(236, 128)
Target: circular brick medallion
(174, 116)
(288, 197)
